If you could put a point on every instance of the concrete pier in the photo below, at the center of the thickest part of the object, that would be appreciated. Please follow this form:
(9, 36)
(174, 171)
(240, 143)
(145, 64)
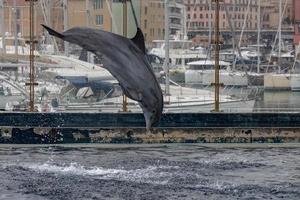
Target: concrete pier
(129, 128)
(136, 120)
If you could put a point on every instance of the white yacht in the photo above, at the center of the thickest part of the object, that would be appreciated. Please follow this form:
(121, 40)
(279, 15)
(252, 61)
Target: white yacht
(274, 81)
(181, 52)
(203, 72)
(77, 70)
(181, 100)
(10, 49)
(295, 82)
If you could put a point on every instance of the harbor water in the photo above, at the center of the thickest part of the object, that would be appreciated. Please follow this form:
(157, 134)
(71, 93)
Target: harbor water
(173, 171)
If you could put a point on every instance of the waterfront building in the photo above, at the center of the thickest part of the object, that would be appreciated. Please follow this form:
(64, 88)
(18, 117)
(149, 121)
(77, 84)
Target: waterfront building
(242, 17)
(51, 12)
(153, 19)
(297, 22)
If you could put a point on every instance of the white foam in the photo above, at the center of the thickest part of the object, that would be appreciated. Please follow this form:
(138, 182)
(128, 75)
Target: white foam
(150, 174)
(73, 168)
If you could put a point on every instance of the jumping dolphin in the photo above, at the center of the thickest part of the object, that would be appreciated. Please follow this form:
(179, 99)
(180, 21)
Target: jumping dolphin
(125, 59)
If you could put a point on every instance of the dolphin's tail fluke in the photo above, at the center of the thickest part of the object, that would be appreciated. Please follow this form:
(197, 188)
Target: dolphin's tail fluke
(53, 32)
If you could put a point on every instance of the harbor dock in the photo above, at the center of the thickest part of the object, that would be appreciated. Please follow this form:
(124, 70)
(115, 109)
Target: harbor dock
(129, 128)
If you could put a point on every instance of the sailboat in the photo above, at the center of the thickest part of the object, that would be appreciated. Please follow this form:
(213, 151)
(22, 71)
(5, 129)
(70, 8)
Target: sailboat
(282, 79)
(176, 98)
(195, 100)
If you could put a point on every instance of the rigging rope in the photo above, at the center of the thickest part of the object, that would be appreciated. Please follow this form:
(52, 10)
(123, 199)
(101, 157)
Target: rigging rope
(134, 14)
(276, 37)
(112, 17)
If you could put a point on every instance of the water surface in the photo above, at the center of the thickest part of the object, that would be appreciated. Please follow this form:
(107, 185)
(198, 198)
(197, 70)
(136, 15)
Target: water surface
(175, 171)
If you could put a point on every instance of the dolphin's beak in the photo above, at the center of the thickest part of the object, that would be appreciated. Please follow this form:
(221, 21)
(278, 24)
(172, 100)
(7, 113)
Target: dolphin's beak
(148, 117)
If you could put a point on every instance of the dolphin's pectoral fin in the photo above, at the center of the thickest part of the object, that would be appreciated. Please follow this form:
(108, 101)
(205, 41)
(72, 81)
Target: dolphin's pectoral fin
(132, 94)
(140, 96)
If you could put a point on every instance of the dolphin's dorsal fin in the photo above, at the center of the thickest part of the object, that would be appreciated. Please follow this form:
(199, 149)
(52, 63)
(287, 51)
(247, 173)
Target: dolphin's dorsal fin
(139, 40)
(53, 32)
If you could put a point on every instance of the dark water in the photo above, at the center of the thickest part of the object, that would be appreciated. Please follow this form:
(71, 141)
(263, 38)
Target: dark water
(176, 171)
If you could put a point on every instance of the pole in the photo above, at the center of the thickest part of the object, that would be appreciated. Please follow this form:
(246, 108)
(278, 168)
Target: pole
(15, 28)
(32, 43)
(217, 59)
(87, 22)
(31, 73)
(209, 28)
(279, 36)
(167, 46)
(184, 23)
(258, 35)
(65, 10)
(125, 109)
(2, 26)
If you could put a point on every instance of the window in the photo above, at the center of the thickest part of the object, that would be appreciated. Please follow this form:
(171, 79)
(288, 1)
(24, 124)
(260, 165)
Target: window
(98, 4)
(18, 28)
(99, 19)
(18, 13)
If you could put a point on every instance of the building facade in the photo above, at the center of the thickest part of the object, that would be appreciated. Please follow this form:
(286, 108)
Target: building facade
(177, 17)
(92, 13)
(270, 14)
(239, 15)
(297, 22)
(201, 12)
(153, 19)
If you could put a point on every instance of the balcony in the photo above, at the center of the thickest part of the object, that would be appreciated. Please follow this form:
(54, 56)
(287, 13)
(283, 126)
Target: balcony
(175, 26)
(175, 15)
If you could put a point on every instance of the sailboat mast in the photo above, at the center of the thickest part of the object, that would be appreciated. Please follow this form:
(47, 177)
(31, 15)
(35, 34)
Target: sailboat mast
(2, 24)
(217, 59)
(125, 109)
(279, 35)
(209, 28)
(87, 16)
(16, 29)
(87, 23)
(167, 47)
(65, 10)
(258, 35)
(32, 43)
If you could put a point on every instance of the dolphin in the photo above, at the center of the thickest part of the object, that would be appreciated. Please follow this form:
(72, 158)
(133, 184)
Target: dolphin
(126, 60)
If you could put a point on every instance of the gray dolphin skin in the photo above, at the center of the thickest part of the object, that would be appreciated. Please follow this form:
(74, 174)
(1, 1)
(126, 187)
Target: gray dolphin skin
(125, 59)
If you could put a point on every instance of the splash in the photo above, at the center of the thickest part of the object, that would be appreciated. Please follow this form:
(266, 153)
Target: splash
(151, 174)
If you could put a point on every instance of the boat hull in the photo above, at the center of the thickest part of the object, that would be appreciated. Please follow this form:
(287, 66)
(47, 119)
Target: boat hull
(277, 81)
(295, 82)
(207, 77)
